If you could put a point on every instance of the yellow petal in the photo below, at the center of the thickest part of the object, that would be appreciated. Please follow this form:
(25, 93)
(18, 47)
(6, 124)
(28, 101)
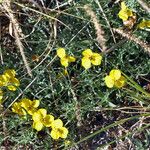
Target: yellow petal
(121, 82)
(28, 105)
(109, 81)
(86, 63)
(31, 111)
(64, 62)
(3, 80)
(48, 120)
(63, 132)
(71, 59)
(57, 123)
(54, 134)
(148, 23)
(61, 52)
(37, 125)
(115, 74)
(96, 59)
(25, 103)
(123, 5)
(129, 12)
(123, 15)
(143, 24)
(125, 12)
(13, 84)
(10, 73)
(16, 108)
(11, 88)
(39, 115)
(14, 81)
(1, 95)
(87, 53)
(43, 112)
(35, 103)
(65, 72)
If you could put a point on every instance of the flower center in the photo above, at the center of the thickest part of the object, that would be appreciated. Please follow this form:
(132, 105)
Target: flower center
(92, 58)
(60, 131)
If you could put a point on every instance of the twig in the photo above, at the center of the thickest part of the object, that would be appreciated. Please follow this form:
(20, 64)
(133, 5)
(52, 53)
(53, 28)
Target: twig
(63, 5)
(144, 5)
(41, 13)
(115, 46)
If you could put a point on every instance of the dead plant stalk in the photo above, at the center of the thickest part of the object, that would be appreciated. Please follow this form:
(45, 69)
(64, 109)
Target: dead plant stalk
(17, 32)
(134, 39)
(99, 31)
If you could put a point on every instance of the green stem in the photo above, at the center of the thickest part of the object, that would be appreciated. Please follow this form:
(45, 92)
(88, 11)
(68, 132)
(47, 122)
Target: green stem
(108, 127)
(136, 97)
(133, 84)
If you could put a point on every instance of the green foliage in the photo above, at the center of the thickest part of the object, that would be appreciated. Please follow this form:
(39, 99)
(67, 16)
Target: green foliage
(82, 92)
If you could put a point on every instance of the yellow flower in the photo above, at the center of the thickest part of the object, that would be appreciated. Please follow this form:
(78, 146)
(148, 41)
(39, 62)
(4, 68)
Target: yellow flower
(64, 58)
(143, 24)
(41, 119)
(30, 106)
(115, 79)
(58, 131)
(125, 12)
(3, 80)
(16, 108)
(13, 83)
(8, 79)
(89, 58)
(1, 95)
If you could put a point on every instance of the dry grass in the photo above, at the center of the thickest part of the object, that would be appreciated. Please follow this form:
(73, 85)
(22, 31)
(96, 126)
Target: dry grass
(18, 34)
(132, 38)
(99, 31)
